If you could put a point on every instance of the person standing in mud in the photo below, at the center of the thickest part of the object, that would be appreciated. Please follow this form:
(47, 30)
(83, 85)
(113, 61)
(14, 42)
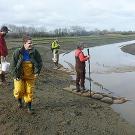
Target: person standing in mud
(80, 68)
(3, 52)
(55, 50)
(27, 64)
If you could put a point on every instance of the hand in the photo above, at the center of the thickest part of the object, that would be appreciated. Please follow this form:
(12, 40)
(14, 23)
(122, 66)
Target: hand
(58, 46)
(36, 75)
(3, 59)
(88, 57)
(17, 79)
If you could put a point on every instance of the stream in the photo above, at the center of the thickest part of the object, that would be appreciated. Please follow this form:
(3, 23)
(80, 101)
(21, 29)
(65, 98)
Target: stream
(112, 71)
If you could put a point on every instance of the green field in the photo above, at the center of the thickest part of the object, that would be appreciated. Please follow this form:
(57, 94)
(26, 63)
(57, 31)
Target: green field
(89, 41)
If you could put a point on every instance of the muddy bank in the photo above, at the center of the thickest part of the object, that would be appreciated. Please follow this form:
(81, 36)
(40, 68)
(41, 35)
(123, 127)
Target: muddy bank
(58, 112)
(129, 49)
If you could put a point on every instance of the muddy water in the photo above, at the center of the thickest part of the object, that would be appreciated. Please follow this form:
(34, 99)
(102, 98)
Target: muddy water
(112, 71)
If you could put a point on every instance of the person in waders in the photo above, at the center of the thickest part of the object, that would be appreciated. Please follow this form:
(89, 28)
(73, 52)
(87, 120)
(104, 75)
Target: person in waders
(3, 53)
(80, 68)
(27, 64)
(55, 50)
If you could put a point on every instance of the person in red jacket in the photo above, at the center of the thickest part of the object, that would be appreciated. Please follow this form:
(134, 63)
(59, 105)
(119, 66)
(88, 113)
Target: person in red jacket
(3, 51)
(80, 68)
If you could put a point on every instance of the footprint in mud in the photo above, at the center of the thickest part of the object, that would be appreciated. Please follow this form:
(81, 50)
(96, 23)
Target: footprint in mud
(95, 106)
(76, 113)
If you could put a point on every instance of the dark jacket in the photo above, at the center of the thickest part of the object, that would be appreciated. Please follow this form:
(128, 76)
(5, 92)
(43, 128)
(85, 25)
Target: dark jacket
(18, 59)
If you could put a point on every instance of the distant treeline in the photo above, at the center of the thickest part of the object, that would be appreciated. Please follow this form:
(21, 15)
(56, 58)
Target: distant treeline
(18, 31)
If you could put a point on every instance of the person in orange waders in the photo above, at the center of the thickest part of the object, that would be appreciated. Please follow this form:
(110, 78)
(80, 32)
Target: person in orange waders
(27, 64)
(80, 59)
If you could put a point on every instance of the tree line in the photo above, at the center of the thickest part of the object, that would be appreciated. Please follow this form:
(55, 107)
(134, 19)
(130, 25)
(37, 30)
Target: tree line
(19, 31)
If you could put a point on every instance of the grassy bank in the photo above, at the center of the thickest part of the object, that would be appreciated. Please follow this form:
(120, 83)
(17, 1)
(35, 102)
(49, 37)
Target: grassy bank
(88, 40)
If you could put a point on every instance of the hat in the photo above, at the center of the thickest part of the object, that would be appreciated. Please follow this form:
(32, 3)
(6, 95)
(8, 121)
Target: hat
(4, 29)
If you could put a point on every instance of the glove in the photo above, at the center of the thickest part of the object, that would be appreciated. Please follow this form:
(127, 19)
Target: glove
(17, 79)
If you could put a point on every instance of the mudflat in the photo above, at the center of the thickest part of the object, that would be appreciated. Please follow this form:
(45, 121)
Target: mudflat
(58, 112)
(129, 49)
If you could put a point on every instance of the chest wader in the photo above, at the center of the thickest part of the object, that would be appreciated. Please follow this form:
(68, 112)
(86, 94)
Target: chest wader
(23, 88)
(80, 74)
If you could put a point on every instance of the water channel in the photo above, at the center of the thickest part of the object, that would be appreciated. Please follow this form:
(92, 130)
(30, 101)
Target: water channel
(112, 71)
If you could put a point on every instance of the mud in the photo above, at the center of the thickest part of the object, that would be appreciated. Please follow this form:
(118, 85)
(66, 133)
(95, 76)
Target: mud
(58, 112)
(129, 49)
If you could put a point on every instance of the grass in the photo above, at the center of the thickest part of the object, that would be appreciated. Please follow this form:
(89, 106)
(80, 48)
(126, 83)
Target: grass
(88, 40)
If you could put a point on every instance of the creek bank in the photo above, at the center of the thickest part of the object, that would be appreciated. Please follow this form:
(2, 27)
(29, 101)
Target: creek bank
(107, 98)
(129, 49)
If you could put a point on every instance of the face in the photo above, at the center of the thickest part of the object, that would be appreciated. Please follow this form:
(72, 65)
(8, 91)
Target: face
(28, 45)
(4, 33)
(82, 47)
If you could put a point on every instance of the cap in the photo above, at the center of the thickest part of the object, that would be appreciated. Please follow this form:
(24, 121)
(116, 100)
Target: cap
(4, 29)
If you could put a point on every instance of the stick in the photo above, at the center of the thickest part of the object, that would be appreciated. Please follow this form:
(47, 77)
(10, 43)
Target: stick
(89, 71)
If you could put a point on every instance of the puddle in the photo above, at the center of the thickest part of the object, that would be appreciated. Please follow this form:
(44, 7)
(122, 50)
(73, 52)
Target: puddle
(112, 71)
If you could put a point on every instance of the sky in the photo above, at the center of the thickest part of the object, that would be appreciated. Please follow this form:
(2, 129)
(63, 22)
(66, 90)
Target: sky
(52, 14)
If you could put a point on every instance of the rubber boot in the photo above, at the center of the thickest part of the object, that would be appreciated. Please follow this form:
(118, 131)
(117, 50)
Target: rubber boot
(77, 88)
(20, 105)
(30, 111)
(55, 66)
(2, 77)
(82, 88)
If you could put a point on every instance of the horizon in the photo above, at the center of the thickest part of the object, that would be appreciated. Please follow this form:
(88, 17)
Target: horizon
(52, 14)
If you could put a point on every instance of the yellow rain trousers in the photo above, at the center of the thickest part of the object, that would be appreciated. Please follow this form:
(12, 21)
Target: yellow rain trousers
(23, 88)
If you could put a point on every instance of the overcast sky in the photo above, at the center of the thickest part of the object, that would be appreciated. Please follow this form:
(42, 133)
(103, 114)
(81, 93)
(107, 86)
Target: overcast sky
(91, 14)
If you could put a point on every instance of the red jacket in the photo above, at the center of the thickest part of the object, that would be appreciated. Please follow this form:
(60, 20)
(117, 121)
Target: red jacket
(3, 47)
(80, 55)
(80, 60)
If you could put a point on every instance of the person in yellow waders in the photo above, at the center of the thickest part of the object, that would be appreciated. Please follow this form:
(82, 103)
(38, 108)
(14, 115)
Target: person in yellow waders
(27, 64)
